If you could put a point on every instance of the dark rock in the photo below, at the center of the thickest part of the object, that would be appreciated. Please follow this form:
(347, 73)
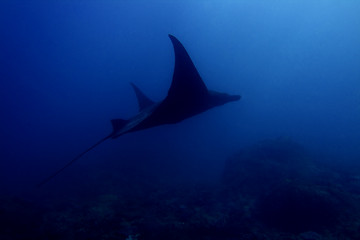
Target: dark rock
(296, 208)
(263, 166)
(310, 236)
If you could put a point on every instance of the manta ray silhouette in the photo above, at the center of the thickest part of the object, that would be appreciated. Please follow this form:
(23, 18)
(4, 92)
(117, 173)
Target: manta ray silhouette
(187, 96)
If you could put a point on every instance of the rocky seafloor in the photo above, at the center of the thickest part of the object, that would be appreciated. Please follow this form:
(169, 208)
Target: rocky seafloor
(274, 189)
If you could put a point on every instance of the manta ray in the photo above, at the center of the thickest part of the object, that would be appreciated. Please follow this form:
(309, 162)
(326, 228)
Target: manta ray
(187, 96)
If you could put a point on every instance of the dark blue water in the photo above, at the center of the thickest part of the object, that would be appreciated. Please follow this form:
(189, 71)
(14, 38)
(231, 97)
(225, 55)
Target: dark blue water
(65, 68)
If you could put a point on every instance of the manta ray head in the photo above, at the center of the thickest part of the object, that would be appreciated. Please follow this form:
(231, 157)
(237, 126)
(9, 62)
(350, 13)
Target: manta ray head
(218, 98)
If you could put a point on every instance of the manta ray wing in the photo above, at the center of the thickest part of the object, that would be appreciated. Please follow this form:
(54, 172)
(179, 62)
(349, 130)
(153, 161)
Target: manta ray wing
(186, 82)
(143, 100)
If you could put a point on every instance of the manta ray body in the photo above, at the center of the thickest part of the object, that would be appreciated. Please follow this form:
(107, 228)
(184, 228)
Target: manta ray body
(187, 96)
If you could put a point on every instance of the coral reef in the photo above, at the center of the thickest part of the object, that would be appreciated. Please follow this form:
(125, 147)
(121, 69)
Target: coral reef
(19, 219)
(271, 190)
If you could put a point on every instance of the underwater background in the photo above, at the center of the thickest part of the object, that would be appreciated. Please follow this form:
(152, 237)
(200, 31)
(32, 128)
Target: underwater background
(281, 163)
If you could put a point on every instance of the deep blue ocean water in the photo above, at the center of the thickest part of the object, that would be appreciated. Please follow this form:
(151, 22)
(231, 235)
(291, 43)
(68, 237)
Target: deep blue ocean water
(65, 69)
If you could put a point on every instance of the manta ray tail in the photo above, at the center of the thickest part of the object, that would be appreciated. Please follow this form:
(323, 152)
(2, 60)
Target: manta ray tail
(72, 161)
